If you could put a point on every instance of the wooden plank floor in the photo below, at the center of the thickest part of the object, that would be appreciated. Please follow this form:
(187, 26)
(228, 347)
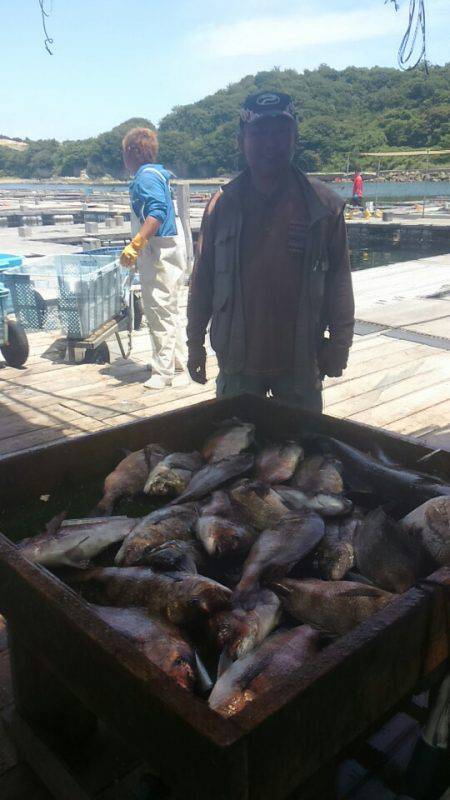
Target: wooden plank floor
(399, 384)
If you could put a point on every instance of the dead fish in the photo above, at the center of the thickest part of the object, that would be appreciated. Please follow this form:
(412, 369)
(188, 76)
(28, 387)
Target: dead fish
(180, 597)
(327, 505)
(129, 477)
(77, 541)
(221, 535)
(167, 511)
(244, 627)
(385, 554)
(278, 657)
(319, 475)
(333, 607)
(404, 487)
(431, 523)
(278, 551)
(171, 476)
(261, 506)
(172, 556)
(230, 439)
(146, 536)
(277, 462)
(214, 475)
(336, 554)
(160, 642)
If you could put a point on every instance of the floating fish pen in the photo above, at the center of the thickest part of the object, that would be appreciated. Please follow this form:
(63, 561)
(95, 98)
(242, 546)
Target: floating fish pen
(70, 667)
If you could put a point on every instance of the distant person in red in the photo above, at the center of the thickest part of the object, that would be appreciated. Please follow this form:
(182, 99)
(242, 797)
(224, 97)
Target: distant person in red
(357, 193)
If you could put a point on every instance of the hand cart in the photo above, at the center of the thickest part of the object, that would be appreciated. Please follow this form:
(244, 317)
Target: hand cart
(88, 297)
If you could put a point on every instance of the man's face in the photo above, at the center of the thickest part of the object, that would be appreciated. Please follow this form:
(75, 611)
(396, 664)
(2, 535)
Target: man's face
(269, 144)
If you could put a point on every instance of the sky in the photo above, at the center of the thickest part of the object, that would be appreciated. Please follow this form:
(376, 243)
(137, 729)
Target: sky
(113, 60)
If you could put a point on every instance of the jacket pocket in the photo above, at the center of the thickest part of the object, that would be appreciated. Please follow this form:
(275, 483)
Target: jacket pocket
(319, 270)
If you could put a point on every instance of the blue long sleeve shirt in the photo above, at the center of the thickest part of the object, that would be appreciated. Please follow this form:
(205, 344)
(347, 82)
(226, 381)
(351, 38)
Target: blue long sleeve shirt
(150, 197)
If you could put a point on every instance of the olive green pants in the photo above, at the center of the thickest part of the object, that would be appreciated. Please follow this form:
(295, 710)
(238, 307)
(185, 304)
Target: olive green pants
(280, 387)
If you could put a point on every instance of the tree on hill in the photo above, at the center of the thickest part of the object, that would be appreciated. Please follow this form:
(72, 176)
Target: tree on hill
(341, 113)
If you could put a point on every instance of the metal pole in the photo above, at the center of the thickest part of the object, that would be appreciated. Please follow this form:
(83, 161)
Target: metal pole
(423, 201)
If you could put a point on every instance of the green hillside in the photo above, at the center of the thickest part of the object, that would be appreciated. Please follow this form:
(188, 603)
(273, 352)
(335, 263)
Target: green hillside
(341, 112)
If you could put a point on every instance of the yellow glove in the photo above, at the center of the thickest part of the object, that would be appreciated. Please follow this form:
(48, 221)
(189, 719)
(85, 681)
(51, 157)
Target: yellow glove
(130, 253)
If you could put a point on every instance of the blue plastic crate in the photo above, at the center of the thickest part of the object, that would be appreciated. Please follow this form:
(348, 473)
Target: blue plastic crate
(90, 293)
(34, 294)
(115, 253)
(7, 261)
(75, 293)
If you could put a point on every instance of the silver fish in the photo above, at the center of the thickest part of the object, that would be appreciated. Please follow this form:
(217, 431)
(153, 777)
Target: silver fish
(385, 553)
(230, 439)
(430, 522)
(146, 536)
(219, 533)
(278, 551)
(179, 597)
(333, 607)
(244, 627)
(319, 475)
(172, 475)
(174, 555)
(404, 487)
(249, 678)
(161, 643)
(277, 462)
(216, 474)
(327, 505)
(259, 504)
(76, 541)
(336, 554)
(129, 477)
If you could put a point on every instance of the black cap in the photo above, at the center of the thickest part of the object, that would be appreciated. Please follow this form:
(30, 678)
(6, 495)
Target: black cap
(267, 104)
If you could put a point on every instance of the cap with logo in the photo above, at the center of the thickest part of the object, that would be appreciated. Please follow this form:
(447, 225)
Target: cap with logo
(267, 104)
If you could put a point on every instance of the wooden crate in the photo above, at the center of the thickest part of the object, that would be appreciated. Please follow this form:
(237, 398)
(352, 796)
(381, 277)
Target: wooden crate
(69, 667)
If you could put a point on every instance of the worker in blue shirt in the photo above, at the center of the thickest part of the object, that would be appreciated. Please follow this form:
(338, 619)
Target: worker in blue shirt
(158, 249)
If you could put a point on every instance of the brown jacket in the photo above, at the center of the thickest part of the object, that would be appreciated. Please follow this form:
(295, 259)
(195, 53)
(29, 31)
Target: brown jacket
(326, 299)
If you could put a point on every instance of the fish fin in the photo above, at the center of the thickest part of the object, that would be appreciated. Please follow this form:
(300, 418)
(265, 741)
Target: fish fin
(224, 663)
(83, 565)
(279, 588)
(204, 680)
(52, 527)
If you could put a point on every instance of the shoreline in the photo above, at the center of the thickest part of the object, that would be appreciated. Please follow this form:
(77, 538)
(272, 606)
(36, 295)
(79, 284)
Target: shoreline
(440, 176)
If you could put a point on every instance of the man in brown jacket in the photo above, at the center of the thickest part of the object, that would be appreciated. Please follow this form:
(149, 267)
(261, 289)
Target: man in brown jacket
(272, 272)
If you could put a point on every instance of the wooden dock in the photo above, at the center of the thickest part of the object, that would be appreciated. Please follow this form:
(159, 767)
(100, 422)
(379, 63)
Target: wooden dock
(398, 375)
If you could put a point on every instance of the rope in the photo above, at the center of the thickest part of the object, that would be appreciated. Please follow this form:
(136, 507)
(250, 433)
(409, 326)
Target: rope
(45, 15)
(416, 25)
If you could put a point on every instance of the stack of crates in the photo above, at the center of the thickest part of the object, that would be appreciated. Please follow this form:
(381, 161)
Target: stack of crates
(77, 293)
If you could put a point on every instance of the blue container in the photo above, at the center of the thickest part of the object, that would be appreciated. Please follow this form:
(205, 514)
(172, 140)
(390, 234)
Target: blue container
(34, 294)
(7, 261)
(76, 293)
(90, 293)
(115, 253)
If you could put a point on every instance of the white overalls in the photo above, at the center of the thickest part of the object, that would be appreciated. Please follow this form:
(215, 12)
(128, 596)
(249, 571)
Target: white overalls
(162, 266)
